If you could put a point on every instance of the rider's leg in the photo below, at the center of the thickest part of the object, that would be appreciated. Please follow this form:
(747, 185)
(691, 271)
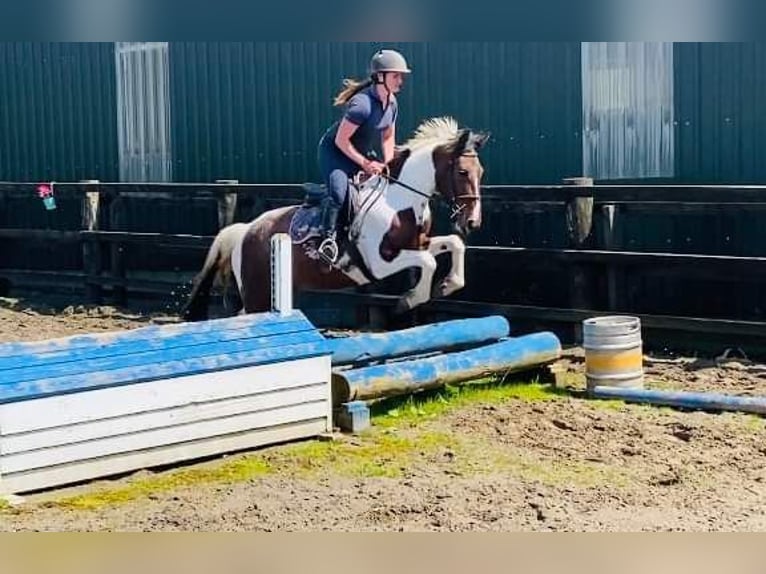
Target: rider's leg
(337, 190)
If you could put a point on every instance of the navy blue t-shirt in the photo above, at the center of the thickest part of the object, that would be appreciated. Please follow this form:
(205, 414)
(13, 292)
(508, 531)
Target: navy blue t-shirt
(365, 110)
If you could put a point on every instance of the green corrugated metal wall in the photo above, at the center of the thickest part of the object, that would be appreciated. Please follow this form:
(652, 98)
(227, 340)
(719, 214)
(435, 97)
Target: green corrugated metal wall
(254, 111)
(57, 111)
(720, 97)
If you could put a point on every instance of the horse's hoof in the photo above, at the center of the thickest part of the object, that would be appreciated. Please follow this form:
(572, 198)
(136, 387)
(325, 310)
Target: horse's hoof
(439, 290)
(446, 288)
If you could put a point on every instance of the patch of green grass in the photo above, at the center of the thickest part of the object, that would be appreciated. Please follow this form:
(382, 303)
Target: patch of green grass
(414, 409)
(376, 453)
(608, 404)
(555, 472)
(236, 471)
(662, 385)
(379, 452)
(754, 422)
(370, 456)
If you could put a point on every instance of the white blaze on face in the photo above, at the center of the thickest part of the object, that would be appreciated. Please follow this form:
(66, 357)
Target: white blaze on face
(475, 212)
(474, 207)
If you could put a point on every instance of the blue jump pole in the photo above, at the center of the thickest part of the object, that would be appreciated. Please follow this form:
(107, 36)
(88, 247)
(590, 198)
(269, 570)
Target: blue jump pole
(380, 381)
(427, 338)
(683, 399)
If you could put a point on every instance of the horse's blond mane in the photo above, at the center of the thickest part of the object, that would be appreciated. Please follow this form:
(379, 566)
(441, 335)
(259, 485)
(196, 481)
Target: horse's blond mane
(434, 131)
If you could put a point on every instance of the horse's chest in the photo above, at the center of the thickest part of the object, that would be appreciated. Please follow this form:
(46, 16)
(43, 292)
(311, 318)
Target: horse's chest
(403, 233)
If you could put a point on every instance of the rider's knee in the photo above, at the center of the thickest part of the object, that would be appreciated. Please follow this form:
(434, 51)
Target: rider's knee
(338, 186)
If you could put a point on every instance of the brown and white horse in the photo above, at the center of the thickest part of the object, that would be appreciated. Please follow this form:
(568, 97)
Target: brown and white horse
(386, 235)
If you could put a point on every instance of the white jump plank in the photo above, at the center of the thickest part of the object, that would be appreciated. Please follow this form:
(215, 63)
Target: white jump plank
(160, 437)
(148, 458)
(184, 415)
(62, 410)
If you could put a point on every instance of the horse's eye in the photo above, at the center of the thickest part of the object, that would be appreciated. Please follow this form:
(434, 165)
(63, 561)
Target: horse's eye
(463, 172)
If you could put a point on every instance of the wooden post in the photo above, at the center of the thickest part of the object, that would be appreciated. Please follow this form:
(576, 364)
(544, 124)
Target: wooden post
(117, 250)
(227, 203)
(281, 274)
(91, 248)
(579, 212)
(579, 219)
(608, 232)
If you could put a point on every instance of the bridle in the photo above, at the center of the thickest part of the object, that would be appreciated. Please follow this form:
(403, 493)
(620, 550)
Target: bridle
(451, 201)
(379, 189)
(456, 209)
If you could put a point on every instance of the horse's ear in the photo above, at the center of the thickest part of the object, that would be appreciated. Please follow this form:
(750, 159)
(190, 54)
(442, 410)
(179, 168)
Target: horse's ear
(462, 141)
(479, 139)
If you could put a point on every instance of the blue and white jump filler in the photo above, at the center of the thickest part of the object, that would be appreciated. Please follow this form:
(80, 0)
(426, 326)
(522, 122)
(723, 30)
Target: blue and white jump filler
(87, 406)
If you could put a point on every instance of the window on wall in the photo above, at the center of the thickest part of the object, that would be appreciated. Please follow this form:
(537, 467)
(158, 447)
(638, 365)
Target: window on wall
(627, 109)
(143, 111)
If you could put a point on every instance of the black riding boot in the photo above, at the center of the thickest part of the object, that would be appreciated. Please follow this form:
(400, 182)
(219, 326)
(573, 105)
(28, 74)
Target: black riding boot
(328, 249)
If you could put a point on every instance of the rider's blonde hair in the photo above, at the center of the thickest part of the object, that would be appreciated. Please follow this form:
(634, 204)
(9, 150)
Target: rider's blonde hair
(350, 89)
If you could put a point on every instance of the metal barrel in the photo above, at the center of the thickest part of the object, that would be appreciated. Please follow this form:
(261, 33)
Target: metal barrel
(613, 352)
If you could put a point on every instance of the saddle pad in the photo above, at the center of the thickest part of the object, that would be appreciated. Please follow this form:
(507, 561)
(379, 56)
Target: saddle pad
(305, 224)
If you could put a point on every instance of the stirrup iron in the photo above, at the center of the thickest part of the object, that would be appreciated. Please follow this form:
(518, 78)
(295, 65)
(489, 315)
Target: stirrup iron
(328, 250)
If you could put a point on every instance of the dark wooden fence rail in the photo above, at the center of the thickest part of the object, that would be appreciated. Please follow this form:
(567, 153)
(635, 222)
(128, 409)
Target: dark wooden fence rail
(689, 258)
(137, 239)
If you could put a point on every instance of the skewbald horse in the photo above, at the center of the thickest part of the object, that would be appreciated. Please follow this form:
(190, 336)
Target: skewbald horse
(385, 236)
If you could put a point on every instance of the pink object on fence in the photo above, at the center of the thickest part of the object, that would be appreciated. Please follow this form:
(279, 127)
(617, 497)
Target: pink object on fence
(46, 194)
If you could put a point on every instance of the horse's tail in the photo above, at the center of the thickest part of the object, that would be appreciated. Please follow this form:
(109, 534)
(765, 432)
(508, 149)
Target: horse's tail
(196, 308)
(217, 262)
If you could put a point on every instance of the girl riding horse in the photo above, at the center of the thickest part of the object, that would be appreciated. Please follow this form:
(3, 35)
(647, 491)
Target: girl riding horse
(440, 159)
(368, 126)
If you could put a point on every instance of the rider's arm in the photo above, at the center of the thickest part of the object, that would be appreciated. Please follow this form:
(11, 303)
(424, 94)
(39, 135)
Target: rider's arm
(389, 140)
(357, 112)
(346, 129)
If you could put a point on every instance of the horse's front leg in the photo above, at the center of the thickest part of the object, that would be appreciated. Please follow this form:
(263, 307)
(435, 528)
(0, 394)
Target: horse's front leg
(406, 259)
(455, 279)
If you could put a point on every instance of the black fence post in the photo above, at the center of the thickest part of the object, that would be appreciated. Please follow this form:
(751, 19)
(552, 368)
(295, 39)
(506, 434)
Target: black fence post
(117, 222)
(227, 203)
(91, 247)
(579, 216)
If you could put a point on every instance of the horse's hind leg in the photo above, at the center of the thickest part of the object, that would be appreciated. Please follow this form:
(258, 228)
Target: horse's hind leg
(232, 301)
(455, 279)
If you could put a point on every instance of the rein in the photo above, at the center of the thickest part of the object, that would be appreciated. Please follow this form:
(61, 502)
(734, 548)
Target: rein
(454, 208)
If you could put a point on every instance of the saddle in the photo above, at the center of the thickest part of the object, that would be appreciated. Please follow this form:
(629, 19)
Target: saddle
(306, 224)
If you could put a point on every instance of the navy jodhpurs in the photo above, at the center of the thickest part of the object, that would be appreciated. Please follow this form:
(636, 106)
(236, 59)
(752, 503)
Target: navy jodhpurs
(336, 169)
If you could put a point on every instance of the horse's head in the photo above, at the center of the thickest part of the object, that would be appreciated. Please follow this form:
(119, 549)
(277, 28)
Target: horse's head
(458, 178)
(442, 158)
